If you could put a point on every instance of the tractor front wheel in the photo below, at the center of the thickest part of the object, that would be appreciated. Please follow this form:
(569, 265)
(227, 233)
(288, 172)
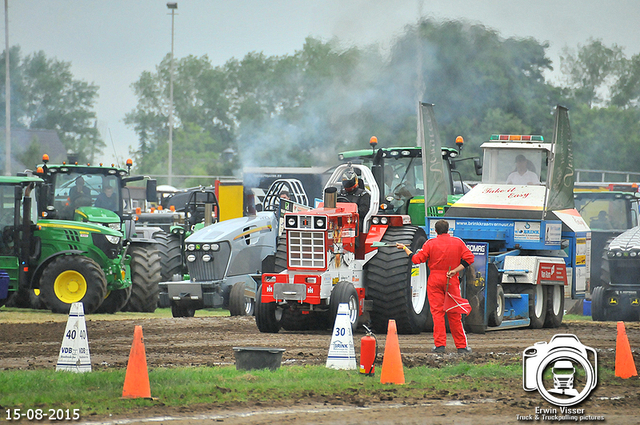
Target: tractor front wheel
(345, 293)
(537, 306)
(268, 315)
(239, 303)
(555, 306)
(70, 279)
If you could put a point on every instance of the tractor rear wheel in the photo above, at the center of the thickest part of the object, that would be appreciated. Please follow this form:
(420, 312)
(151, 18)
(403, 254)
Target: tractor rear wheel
(115, 300)
(239, 304)
(397, 287)
(345, 293)
(268, 315)
(555, 306)
(145, 276)
(70, 279)
(170, 250)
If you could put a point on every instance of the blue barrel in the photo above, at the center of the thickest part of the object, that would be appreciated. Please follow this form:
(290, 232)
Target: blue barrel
(4, 284)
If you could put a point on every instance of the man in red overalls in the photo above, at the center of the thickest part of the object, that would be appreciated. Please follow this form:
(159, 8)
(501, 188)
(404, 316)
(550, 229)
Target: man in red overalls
(446, 256)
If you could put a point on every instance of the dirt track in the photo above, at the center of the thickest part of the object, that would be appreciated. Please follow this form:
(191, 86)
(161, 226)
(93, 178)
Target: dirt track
(209, 341)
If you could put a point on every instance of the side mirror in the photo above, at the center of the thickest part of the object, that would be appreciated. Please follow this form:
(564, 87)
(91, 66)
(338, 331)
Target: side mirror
(478, 166)
(152, 193)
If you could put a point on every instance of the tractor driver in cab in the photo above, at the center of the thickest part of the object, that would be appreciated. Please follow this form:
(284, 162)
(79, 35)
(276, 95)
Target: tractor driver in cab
(79, 195)
(353, 191)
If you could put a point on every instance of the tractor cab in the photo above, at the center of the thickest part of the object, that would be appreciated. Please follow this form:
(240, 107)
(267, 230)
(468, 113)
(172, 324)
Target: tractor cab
(515, 160)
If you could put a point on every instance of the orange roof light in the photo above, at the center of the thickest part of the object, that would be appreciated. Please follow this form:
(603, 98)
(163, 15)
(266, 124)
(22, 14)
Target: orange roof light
(172, 208)
(39, 170)
(373, 141)
(459, 141)
(160, 208)
(129, 162)
(45, 158)
(138, 210)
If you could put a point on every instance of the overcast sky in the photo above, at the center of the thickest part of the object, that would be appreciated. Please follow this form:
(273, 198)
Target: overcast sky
(110, 42)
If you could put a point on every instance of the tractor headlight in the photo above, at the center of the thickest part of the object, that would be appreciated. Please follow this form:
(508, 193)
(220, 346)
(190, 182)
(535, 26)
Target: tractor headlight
(215, 247)
(113, 239)
(206, 247)
(384, 220)
(191, 258)
(633, 254)
(114, 226)
(618, 254)
(191, 247)
(206, 258)
(375, 220)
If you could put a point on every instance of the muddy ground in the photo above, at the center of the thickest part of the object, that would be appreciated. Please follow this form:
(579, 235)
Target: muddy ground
(209, 341)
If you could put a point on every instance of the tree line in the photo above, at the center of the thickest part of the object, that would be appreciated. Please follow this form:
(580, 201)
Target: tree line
(301, 109)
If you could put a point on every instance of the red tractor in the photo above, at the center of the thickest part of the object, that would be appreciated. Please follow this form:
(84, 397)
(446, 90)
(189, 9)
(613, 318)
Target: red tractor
(326, 257)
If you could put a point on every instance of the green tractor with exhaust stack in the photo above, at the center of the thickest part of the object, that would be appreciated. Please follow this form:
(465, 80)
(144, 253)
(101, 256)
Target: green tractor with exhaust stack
(98, 195)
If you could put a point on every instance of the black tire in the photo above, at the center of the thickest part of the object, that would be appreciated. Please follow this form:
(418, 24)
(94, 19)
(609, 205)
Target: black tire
(267, 318)
(388, 281)
(598, 306)
(170, 250)
(496, 314)
(145, 276)
(344, 292)
(72, 278)
(181, 310)
(115, 300)
(537, 306)
(239, 304)
(555, 306)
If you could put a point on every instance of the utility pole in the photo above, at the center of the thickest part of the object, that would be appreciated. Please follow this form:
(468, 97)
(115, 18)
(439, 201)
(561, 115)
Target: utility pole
(7, 94)
(173, 7)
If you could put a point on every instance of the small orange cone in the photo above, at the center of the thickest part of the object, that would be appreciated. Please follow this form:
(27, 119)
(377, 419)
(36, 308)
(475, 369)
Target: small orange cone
(136, 381)
(392, 371)
(625, 366)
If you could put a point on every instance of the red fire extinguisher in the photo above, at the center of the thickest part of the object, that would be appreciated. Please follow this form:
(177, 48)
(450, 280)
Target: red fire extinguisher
(368, 353)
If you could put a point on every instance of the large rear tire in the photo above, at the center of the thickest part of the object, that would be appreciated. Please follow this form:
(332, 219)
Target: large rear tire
(70, 279)
(397, 287)
(268, 315)
(345, 293)
(537, 306)
(239, 304)
(170, 250)
(145, 276)
(555, 306)
(115, 301)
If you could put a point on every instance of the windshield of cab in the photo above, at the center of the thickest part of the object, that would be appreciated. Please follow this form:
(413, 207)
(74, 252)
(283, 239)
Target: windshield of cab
(514, 166)
(74, 190)
(606, 211)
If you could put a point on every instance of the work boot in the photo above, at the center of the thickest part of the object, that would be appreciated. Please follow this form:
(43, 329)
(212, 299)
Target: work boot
(439, 349)
(465, 350)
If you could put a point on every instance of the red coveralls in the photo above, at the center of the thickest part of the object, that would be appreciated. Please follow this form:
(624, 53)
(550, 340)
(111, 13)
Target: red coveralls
(444, 253)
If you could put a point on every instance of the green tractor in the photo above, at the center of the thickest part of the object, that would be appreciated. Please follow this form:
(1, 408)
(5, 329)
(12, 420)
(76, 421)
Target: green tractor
(99, 195)
(398, 172)
(55, 262)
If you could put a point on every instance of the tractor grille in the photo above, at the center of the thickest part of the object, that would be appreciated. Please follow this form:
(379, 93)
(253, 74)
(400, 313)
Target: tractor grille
(624, 271)
(306, 249)
(200, 270)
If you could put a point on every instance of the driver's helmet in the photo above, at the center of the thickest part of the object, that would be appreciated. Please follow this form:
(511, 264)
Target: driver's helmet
(350, 181)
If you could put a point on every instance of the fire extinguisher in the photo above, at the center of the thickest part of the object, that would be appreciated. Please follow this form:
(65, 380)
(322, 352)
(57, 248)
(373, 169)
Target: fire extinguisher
(368, 353)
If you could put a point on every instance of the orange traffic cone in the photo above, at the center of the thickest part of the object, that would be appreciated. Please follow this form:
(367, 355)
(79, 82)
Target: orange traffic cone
(625, 366)
(136, 381)
(392, 372)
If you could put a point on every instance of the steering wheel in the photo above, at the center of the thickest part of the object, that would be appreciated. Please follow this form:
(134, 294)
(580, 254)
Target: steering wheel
(342, 199)
(402, 190)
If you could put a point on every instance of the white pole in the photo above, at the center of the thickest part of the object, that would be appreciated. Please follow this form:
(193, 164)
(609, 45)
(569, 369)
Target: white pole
(173, 10)
(7, 95)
